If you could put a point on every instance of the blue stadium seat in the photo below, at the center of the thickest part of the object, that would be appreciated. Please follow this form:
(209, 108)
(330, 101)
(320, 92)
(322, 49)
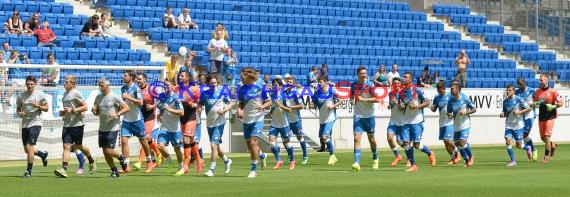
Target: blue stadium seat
(29, 42)
(102, 43)
(110, 55)
(57, 8)
(84, 54)
(72, 54)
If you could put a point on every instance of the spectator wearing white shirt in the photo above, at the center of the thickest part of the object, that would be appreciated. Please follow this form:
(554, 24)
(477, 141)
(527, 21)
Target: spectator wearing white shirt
(184, 20)
(216, 47)
(393, 73)
(168, 17)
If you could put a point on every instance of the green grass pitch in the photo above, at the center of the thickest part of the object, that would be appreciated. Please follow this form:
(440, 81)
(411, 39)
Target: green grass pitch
(488, 177)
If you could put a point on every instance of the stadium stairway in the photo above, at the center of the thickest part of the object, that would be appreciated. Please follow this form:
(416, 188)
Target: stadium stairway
(465, 35)
(120, 29)
(509, 44)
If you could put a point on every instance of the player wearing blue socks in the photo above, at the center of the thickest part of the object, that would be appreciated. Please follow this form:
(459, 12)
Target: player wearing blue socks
(413, 101)
(445, 124)
(361, 96)
(253, 100)
(526, 94)
(394, 130)
(216, 104)
(513, 108)
(326, 100)
(293, 101)
(280, 126)
(459, 108)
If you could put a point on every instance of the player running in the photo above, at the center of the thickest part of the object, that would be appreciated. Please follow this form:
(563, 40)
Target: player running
(217, 104)
(148, 110)
(526, 94)
(72, 115)
(445, 123)
(459, 108)
(413, 101)
(170, 111)
(547, 100)
(325, 99)
(394, 130)
(361, 96)
(189, 93)
(280, 126)
(513, 108)
(109, 107)
(30, 105)
(133, 123)
(252, 103)
(294, 102)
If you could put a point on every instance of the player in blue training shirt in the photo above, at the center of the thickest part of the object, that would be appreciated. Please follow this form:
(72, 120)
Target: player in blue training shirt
(253, 100)
(394, 130)
(445, 123)
(217, 103)
(361, 95)
(459, 108)
(133, 123)
(294, 102)
(170, 110)
(280, 126)
(413, 101)
(513, 108)
(526, 94)
(326, 100)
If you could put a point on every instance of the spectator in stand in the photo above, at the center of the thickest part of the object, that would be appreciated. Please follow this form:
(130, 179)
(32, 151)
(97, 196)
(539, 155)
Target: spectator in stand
(221, 27)
(462, 61)
(436, 78)
(424, 80)
(393, 73)
(231, 72)
(266, 79)
(15, 23)
(171, 24)
(50, 75)
(324, 72)
(3, 78)
(32, 24)
(16, 58)
(15, 75)
(187, 68)
(216, 47)
(45, 36)
(6, 29)
(6, 49)
(91, 28)
(169, 19)
(105, 24)
(171, 68)
(381, 77)
(312, 76)
(184, 20)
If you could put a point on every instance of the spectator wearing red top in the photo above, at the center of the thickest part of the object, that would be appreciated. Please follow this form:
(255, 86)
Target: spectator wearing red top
(45, 36)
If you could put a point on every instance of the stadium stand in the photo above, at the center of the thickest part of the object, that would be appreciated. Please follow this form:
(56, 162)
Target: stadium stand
(272, 34)
(72, 49)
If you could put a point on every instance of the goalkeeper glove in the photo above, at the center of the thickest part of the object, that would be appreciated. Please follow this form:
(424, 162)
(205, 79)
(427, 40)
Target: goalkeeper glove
(550, 107)
(537, 104)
